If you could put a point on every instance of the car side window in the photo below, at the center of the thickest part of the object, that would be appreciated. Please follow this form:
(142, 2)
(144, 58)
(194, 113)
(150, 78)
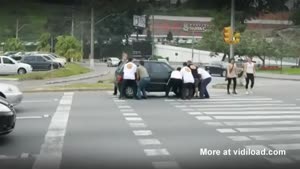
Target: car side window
(8, 61)
(40, 59)
(29, 59)
(47, 57)
(158, 68)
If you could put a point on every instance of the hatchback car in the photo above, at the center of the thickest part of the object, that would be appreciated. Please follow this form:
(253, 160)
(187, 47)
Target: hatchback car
(7, 117)
(10, 66)
(11, 92)
(159, 73)
(40, 62)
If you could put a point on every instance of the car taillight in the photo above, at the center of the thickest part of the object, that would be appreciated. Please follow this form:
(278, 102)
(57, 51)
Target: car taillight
(119, 78)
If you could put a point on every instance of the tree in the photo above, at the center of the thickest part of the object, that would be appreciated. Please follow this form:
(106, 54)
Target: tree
(44, 43)
(68, 47)
(170, 36)
(13, 44)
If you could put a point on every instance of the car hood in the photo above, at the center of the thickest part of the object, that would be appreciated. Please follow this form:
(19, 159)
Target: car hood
(4, 108)
(5, 87)
(24, 64)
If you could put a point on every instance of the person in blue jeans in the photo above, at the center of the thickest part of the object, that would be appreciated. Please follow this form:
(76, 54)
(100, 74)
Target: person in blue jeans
(205, 80)
(143, 80)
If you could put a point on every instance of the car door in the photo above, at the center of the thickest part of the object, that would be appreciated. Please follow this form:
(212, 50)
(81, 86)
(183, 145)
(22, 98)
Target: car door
(42, 63)
(9, 66)
(159, 74)
(31, 61)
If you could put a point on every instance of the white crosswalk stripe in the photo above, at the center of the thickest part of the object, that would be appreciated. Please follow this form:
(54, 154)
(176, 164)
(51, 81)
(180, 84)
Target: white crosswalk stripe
(256, 122)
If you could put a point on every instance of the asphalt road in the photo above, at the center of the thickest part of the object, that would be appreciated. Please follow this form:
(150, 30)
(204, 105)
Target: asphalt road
(96, 130)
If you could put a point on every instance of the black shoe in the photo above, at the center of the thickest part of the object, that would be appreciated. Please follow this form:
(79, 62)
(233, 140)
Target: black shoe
(201, 97)
(115, 94)
(234, 92)
(228, 93)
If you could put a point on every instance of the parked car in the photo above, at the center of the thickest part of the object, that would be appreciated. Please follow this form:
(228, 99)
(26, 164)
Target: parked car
(59, 59)
(10, 66)
(11, 93)
(216, 69)
(39, 62)
(111, 62)
(7, 117)
(52, 58)
(159, 72)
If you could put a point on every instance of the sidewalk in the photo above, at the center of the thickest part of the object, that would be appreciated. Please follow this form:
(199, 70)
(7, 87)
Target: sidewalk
(278, 76)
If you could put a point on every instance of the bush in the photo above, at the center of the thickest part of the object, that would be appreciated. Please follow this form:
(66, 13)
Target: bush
(13, 44)
(270, 68)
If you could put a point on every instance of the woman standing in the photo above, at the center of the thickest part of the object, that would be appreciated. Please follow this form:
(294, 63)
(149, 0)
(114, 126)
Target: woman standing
(231, 76)
(249, 69)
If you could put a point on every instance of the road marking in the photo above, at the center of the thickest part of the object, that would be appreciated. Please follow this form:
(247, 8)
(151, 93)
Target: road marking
(286, 146)
(130, 114)
(29, 117)
(254, 112)
(249, 108)
(24, 155)
(203, 118)
(229, 99)
(269, 129)
(149, 142)
(226, 130)
(239, 138)
(236, 102)
(256, 117)
(262, 123)
(187, 109)
(156, 152)
(51, 151)
(165, 165)
(181, 106)
(276, 137)
(119, 101)
(126, 110)
(257, 147)
(133, 119)
(39, 101)
(124, 107)
(137, 125)
(240, 105)
(214, 123)
(142, 132)
(169, 100)
(278, 160)
(195, 113)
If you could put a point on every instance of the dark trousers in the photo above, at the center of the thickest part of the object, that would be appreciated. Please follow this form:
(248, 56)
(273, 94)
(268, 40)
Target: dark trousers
(250, 77)
(115, 89)
(128, 83)
(174, 85)
(203, 88)
(143, 83)
(187, 90)
(229, 83)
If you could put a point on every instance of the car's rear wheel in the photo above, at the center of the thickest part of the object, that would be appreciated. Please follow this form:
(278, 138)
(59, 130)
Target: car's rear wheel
(22, 71)
(129, 92)
(223, 74)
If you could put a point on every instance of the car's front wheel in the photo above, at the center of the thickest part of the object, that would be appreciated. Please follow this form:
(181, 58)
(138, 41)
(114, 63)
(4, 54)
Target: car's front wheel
(223, 74)
(22, 71)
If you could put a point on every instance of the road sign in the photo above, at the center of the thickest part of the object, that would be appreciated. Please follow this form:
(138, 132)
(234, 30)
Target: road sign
(139, 21)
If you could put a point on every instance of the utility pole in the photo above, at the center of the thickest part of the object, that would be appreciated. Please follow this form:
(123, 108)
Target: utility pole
(193, 41)
(72, 26)
(81, 39)
(153, 42)
(17, 29)
(232, 28)
(92, 39)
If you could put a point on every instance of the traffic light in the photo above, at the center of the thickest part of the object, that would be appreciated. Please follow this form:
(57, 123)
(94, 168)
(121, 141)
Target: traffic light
(227, 32)
(237, 38)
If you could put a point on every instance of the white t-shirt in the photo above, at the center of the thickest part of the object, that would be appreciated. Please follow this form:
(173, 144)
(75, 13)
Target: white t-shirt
(176, 75)
(204, 74)
(250, 68)
(187, 75)
(129, 71)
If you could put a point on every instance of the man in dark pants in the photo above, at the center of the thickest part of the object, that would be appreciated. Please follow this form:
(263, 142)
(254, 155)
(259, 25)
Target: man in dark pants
(129, 78)
(188, 82)
(205, 80)
(175, 82)
(194, 70)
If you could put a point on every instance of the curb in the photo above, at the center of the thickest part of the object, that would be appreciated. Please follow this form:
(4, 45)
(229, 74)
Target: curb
(278, 78)
(224, 86)
(9, 79)
(83, 78)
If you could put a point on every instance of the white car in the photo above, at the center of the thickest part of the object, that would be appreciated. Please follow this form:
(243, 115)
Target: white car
(112, 62)
(11, 93)
(10, 66)
(61, 61)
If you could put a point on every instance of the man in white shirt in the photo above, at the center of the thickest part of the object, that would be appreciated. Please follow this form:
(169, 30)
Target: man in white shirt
(175, 82)
(205, 80)
(129, 78)
(188, 82)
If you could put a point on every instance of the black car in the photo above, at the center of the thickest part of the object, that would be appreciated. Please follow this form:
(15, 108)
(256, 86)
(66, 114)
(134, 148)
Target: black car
(7, 117)
(159, 73)
(216, 69)
(39, 62)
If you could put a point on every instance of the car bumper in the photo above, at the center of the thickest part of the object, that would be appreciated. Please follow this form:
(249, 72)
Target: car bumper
(14, 98)
(7, 124)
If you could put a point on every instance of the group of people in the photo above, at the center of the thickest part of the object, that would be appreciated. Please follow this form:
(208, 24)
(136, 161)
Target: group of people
(247, 71)
(189, 81)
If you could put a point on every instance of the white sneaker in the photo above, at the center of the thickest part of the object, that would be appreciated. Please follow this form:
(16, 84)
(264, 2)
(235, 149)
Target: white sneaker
(247, 92)
(251, 91)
